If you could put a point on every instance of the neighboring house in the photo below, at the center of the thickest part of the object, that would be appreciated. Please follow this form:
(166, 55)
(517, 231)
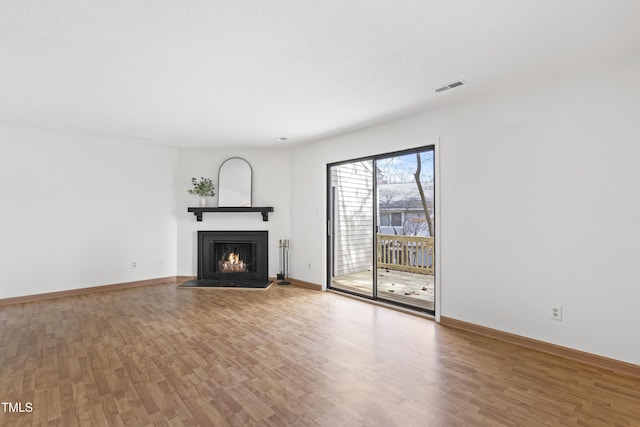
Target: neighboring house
(400, 209)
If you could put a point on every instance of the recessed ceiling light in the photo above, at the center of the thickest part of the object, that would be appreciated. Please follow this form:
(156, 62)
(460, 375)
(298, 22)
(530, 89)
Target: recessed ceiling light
(281, 139)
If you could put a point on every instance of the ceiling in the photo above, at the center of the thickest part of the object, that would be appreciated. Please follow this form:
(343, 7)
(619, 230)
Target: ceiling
(210, 73)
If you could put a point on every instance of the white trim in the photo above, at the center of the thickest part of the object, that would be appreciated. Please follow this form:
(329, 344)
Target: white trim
(438, 217)
(325, 227)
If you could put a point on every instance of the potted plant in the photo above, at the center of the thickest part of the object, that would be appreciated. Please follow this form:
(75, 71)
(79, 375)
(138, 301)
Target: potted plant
(203, 188)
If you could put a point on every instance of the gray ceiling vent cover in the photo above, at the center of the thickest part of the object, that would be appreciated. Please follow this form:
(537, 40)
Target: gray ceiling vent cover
(450, 86)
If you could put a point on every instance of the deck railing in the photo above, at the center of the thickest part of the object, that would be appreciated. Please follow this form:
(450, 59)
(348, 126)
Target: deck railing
(406, 253)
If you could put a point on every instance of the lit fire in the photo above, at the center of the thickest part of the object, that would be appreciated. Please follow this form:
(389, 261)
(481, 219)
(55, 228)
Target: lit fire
(233, 264)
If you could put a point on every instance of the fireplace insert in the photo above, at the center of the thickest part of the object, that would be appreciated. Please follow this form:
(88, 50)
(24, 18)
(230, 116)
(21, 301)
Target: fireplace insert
(233, 259)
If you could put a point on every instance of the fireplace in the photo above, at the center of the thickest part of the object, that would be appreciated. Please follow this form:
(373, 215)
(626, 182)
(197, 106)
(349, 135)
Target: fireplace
(233, 258)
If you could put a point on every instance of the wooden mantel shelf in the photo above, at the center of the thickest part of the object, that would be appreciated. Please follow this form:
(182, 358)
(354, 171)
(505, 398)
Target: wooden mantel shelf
(263, 210)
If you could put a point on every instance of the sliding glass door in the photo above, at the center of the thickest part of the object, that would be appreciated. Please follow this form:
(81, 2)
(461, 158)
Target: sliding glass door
(405, 232)
(381, 228)
(351, 201)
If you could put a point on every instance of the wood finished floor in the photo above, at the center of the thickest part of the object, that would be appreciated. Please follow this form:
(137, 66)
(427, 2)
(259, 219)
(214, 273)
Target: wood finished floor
(159, 355)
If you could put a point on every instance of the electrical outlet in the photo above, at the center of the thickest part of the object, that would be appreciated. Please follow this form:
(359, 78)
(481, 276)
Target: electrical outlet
(556, 312)
(133, 264)
(309, 266)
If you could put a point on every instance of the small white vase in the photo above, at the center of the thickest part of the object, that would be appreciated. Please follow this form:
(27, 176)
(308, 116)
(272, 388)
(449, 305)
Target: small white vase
(203, 202)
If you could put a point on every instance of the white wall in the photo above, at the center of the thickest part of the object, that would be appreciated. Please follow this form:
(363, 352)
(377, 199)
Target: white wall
(78, 210)
(270, 188)
(538, 206)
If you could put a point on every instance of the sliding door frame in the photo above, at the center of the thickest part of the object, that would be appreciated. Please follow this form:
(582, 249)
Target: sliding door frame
(331, 229)
(330, 224)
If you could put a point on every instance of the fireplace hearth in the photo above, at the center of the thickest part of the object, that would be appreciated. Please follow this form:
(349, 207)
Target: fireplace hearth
(232, 259)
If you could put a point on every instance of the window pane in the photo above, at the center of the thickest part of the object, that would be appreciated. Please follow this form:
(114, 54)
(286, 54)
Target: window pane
(396, 219)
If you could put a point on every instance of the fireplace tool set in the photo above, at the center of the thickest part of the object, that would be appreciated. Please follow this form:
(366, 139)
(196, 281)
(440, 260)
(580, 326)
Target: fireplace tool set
(284, 262)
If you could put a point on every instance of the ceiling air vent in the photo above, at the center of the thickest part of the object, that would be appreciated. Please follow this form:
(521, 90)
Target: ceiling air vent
(450, 86)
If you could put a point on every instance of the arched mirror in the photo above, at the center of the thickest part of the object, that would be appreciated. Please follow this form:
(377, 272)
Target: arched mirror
(234, 183)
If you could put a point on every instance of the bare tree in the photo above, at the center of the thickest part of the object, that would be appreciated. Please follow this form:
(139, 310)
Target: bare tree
(392, 171)
(422, 197)
(413, 226)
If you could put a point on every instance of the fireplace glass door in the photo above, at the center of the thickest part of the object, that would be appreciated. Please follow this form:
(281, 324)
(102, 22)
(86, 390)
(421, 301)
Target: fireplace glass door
(233, 257)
